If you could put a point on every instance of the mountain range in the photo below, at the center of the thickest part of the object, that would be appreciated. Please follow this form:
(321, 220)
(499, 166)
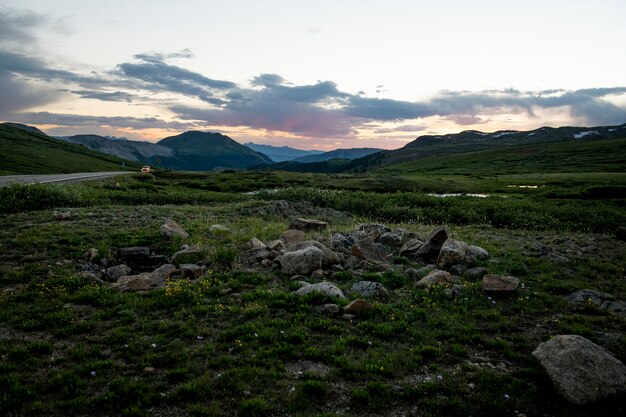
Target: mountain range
(281, 153)
(352, 153)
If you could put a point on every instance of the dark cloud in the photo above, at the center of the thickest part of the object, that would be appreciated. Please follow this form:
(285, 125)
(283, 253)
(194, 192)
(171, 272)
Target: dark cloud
(77, 120)
(385, 109)
(402, 128)
(153, 73)
(17, 95)
(16, 26)
(267, 80)
(465, 119)
(105, 95)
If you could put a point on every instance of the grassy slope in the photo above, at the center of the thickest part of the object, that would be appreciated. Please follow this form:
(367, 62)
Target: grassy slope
(24, 152)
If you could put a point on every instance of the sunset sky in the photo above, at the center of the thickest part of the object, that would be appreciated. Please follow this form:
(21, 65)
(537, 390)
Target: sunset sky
(311, 74)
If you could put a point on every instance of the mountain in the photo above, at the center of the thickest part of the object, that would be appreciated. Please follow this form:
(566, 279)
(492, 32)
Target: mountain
(203, 151)
(29, 151)
(27, 128)
(281, 153)
(472, 140)
(189, 151)
(352, 153)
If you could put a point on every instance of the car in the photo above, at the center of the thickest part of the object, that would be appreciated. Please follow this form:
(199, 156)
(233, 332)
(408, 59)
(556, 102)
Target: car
(146, 169)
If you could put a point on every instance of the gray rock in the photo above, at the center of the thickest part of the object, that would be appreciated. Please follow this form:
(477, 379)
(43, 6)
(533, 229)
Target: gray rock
(458, 269)
(429, 252)
(302, 262)
(500, 283)
(292, 236)
(581, 371)
(595, 300)
(329, 258)
(191, 271)
(172, 229)
(411, 247)
(191, 255)
(475, 274)
(145, 281)
(476, 252)
(115, 272)
(435, 277)
(307, 225)
(325, 288)
(370, 289)
(342, 244)
(368, 250)
(425, 270)
(318, 274)
(64, 216)
(374, 227)
(254, 243)
(90, 255)
(451, 253)
(275, 245)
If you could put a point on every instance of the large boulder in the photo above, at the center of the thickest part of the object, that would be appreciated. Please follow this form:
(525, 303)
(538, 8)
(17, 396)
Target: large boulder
(452, 253)
(172, 229)
(500, 284)
(115, 272)
(435, 277)
(358, 306)
(370, 289)
(369, 250)
(475, 274)
(302, 262)
(410, 248)
(341, 243)
(307, 225)
(329, 258)
(596, 301)
(429, 251)
(325, 288)
(475, 253)
(580, 370)
(145, 281)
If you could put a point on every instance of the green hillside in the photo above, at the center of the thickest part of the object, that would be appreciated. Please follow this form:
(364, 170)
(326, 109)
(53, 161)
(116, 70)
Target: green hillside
(27, 152)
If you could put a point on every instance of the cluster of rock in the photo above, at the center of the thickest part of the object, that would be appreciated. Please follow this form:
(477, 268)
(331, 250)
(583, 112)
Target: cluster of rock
(373, 247)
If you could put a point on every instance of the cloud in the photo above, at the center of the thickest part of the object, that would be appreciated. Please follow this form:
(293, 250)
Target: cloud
(105, 95)
(138, 123)
(16, 26)
(465, 119)
(402, 128)
(18, 95)
(151, 72)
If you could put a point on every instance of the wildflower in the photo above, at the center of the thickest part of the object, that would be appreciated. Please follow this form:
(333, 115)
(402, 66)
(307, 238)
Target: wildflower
(92, 373)
(439, 377)
(153, 345)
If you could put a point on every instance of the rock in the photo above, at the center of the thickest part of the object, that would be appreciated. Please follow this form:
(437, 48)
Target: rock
(370, 289)
(64, 216)
(348, 317)
(191, 271)
(90, 255)
(342, 244)
(115, 272)
(266, 263)
(457, 290)
(476, 252)
(435, 277)
(307, 225)
(411, 273)
(396, 238)
(620, 233)
(93, 278)
(329, 309)
(318, 274)
(429, 252)
(410, 248)
(475, 274)
(425, 270)
(458, 269)
(374, 227)
(292, 236)
(358, 306)
(581, 371)
(325, 288)
(451, 253)
(172, 229)
(138, 258)
(303, 261)
(595, 300)
(254, 244)
(149, 370)
(329, 258)
(275, 245)
(500, 283)
(368, 250)
(145, 281)
(190, 255)
(217, 230)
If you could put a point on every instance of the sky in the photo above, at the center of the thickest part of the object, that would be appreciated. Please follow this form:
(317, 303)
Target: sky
(311, 74)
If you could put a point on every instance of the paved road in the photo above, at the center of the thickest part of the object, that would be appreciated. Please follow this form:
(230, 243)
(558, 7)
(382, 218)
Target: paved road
(58, 178)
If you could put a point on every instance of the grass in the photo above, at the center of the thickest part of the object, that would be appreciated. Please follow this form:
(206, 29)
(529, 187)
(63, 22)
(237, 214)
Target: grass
(23, 152)
(238, 342)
